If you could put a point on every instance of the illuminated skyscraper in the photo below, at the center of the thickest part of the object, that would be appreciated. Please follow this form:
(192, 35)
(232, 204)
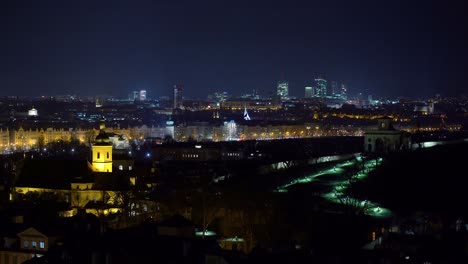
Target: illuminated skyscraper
(309, 92)
(334, 88)
(178, 96)
(282, 89)
(142, 95)
(344, 91)
(320, 87)
(135, 95)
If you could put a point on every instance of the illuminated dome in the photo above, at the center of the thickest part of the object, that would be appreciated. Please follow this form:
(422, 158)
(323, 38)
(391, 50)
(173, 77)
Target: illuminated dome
(32, 112)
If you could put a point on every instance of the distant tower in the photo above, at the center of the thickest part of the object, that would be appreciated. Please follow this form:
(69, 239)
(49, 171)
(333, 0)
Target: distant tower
(431, 107)
(282, 89)
(136, 95)
(333, 88)
(344, 91)
(142, 95)
(309, 92)
(102, 150)
(169, 129)
(320, 87)
(246, 114)
(178, 96)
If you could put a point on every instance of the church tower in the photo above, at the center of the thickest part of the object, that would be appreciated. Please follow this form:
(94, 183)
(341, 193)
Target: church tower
(102, 151)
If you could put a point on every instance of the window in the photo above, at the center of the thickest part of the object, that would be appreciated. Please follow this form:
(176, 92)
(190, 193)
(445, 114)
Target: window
(120, 167)
(98, 155)
(26, 243)
(107, 154)
(129, 167)
(34, 244)
(42, 244)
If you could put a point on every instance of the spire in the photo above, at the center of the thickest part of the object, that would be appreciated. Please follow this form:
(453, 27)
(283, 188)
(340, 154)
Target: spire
(246, 114)
(102, 124)
(102, 121)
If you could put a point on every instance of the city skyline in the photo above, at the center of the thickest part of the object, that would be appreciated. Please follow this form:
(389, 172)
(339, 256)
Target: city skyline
(393, 49)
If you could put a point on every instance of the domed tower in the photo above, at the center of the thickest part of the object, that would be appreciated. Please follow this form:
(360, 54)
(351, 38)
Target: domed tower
(102, 150)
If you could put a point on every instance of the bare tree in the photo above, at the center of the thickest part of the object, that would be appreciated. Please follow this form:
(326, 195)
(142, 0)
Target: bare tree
(210, 210)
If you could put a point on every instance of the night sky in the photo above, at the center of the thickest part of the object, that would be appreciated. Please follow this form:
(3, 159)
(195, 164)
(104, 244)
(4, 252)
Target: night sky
(388, 48)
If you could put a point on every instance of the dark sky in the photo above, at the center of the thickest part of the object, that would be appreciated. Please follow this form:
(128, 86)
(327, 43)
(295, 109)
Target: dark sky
(387, 48)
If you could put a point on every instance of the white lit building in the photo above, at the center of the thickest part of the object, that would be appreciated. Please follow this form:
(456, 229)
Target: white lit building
(309, 92)
(320, 87)
(282, 89)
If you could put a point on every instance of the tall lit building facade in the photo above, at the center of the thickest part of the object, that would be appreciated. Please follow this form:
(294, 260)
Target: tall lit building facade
(102, 151)
(309, 92)
(178, 96)
(134, 95)
(282, 89)
(142, 95)
(334, 88)
(344, 91)
(320, 87)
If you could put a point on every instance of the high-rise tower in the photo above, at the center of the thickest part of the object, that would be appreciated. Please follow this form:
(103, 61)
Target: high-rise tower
(344, 91)
(102, 151)
(309, 92)
(142, 95)
(282, 89)
(320, 87)
(334, 88)
(178, 96)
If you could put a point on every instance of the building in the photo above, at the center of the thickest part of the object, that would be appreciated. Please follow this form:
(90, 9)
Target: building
(241, 104)
(178, 101)
(134, 95)
(320, 87)
(309, 92)
(385, 138)
(142, 95)
(282, 89)
(344, 91)
(32, 112)
(81, 183)
(102, 151)
(27, 244)
(334, 88)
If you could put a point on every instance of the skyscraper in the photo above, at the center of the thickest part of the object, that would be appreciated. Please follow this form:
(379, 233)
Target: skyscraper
(334, 88)
(344, 91)
(309, 92)
(142, 95)
(320, 87)
(135, 95)
(282, 89)
(178, 96)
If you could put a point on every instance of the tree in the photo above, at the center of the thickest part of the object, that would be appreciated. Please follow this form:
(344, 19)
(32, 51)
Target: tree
(90, 136)
(130, 207)
(41, 142)
(210, 209)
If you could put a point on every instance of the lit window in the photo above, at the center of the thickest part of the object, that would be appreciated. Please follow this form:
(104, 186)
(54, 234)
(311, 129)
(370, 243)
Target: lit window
(120, 167)
(129, 167)
(42, 244)
(34, 244)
